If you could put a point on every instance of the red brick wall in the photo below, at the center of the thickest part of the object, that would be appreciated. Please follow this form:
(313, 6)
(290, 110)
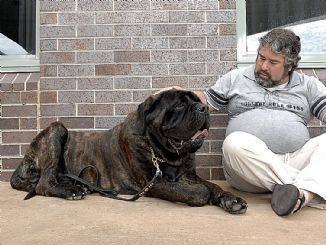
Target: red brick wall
(100, 59)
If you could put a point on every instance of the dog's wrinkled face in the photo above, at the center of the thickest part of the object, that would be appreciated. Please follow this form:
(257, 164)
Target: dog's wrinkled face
(176, 120)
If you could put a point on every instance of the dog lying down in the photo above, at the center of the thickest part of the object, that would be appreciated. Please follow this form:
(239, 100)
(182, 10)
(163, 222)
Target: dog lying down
(162, 135)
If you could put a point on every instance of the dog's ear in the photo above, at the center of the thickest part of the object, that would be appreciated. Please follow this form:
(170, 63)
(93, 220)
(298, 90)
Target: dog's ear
(146, 108)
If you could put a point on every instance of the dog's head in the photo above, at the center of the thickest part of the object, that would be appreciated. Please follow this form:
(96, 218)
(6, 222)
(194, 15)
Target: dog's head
(175, 121)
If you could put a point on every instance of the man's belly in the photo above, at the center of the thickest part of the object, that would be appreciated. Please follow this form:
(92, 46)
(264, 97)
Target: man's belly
(282, 131)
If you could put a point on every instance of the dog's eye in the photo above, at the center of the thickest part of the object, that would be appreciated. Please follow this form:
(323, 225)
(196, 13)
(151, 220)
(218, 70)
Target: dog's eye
(180, 106)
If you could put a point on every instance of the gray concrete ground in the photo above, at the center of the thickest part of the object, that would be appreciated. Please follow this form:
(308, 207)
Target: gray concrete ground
(99, 220)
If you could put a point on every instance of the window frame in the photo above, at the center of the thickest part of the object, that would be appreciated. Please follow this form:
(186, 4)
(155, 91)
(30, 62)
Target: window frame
(24, 63)
(245, 58)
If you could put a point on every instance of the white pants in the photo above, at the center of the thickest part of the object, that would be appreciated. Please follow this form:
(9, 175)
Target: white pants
(249, 165)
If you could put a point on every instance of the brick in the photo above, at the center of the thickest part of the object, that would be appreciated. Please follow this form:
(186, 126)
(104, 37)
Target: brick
(95, 83)
(202, 30)
(227, 29)
(75, 70)
(24, 148)
(51, 5)
(132, 5)
(124, 109)
(95, 5)
(217, 173)
(203, 55)
(228, 55)
(5, 176)
(132, 82)
(169, 5)
(308, 72)
(48, 70)
(18, 86)
(112, 43)
(169, 30)
(57, 31)
(132, 30)
(202, 82)
(132, 17)
(203, 173)
(217, 133)
(187, 69)
(27, 123)
(316, 131)
(9, 123)
(18, 136)
(48, 97)
(9, 150)
(23, 77)
(95, 57)
(11, 163)
(9, 98)
(57, 57)
(108, 122)
(77, 122)
(168, 56)
(142, 95)
(46, 121)
(76, 44)
(187, 42)
(204, 148)
(9, 77)
(58, 84)
(315, 122)
(34, 77)
(76, 18)
(58, 110)
(112, 96)
(221, 16)
(29, 97)
(131, 56)
(321, 74)
(149, 69)
(219, 120)
(222, 42)
(210, 160)
(75, 97)
(95, 31)
(201, 5)
(95, 110)
(216, 146)
(48, 18)
(227, 4)
(112, 69)
(167, 81)
(19, 111)
(48, 44)
(186, 16)
(150, 43)
(220, 68)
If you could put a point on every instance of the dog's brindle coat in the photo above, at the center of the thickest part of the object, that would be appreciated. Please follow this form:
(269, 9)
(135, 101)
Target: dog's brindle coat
(173, 123)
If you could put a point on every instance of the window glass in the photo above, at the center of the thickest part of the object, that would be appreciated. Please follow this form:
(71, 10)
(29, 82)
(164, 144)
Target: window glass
(307, 18)
(17, 27)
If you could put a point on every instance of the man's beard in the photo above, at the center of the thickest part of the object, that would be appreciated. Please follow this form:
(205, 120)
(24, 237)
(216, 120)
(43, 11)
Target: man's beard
(267, 83)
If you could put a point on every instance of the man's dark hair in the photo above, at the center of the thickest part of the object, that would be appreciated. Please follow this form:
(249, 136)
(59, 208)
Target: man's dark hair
(285, 42)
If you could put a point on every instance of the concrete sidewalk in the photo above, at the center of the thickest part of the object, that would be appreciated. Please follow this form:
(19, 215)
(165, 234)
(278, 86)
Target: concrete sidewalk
(99, 220)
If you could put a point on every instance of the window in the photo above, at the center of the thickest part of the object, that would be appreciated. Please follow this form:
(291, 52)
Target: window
(305, 17)
(19, 35)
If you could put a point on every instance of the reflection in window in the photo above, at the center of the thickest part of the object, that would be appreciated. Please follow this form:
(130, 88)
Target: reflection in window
(17, 27)
(307, 18)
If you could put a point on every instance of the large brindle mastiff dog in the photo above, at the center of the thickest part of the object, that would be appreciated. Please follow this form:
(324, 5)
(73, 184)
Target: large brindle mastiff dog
(169, 126)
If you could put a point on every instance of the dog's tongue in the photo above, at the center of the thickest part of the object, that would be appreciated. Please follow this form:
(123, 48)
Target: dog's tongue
(203, 133)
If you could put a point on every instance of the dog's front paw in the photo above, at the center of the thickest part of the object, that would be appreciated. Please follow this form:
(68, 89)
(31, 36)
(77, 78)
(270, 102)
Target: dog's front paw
(233, 204)
(75, 193)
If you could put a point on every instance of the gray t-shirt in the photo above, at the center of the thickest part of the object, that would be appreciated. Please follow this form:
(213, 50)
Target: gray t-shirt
(278, 117)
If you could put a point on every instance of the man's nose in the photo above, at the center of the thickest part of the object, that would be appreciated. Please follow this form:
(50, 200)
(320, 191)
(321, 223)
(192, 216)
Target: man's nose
(264, 65)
